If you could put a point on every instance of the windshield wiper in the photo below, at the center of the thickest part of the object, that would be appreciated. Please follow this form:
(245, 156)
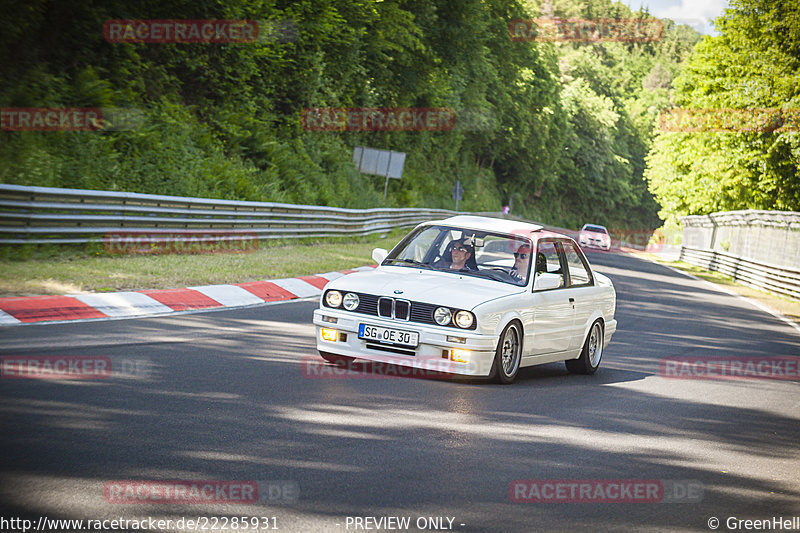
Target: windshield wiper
(493, 275)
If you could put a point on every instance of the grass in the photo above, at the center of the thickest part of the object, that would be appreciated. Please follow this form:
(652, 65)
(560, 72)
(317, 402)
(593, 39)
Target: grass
(35, 271)
(59, 270)
(788, 307)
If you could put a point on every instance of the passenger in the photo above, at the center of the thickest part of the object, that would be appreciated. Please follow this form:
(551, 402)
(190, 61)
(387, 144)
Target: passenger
(541, 263)
(522, 259)
(460, 255)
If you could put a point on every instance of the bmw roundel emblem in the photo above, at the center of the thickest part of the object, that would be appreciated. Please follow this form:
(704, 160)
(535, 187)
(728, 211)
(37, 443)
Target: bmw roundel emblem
(398, 291)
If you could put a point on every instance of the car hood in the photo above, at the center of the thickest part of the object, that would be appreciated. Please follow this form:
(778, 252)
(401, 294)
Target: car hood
(442, 288)
(590, 233)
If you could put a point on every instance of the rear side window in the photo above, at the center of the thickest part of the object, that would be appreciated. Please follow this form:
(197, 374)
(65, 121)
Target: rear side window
(578, 272)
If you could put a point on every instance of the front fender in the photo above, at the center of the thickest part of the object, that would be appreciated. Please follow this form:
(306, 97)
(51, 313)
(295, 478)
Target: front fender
(506, 319)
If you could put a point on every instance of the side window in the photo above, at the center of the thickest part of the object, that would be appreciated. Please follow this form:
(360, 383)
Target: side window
(547, 267)
(578, 273)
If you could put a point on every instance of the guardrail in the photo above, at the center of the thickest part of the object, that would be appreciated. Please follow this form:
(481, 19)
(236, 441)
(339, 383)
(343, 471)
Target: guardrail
(760, 249)
(772, 236)
(756, 274)
(37, 215)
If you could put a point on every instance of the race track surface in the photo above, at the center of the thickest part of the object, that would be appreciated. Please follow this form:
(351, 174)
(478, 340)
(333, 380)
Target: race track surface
(227, 396)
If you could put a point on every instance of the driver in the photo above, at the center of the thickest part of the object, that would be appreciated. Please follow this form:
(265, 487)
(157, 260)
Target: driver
(462, 253)
(522, 259)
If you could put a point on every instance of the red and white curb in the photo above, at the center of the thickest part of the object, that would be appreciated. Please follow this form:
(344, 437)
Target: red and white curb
(129, 304)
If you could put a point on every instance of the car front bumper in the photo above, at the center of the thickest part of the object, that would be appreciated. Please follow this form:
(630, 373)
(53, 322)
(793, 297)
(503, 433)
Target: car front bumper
(431, 354)
(594, 243)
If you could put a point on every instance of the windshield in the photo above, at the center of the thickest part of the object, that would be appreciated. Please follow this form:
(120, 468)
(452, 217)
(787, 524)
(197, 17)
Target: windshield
(596, 229)
(496, 256)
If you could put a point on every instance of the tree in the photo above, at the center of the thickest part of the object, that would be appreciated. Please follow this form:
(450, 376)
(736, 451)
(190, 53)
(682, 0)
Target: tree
(750, 66)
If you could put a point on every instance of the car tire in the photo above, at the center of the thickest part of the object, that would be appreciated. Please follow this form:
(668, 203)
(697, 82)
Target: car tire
(340, 360)
(591, 354)
(508, 355)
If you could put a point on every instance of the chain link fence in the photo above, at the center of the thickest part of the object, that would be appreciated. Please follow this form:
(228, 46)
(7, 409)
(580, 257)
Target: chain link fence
(756, 248)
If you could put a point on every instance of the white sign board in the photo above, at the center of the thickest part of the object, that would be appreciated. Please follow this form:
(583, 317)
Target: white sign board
(386, 163)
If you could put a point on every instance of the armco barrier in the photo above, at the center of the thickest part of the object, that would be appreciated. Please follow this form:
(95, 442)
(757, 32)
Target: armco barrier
(760, 249)
(38, 215)
(774, 278)
(35, 215)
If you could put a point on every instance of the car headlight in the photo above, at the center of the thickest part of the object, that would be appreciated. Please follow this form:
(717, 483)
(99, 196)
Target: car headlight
(464, 319)
(442, 316)
(333, 298)
(350, 301)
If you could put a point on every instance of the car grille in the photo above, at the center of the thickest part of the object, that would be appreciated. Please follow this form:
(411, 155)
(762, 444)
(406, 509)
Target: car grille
(419, 312)
(402, 309)
(367, 304)
(393, 308)
(385, 307)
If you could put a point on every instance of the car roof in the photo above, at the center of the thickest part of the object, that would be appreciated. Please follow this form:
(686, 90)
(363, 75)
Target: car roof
(498, 225)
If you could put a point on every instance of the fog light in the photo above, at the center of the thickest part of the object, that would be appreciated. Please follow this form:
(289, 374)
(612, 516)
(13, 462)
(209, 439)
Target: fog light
(329, 334)
(459, 356)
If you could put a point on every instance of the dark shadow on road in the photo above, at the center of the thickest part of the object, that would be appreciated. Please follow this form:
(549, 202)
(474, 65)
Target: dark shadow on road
(235, 405)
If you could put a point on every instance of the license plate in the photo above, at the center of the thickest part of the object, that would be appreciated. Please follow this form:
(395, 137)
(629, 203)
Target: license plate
(388, 335)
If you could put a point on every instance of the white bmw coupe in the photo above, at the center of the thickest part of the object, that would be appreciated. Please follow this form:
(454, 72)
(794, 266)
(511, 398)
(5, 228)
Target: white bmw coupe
(473, 296)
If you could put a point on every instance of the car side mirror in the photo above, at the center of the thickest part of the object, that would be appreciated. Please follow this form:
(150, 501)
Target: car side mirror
(379, 254)
(546, 281)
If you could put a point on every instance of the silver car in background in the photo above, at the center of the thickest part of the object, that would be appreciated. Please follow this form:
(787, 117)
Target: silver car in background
(594, 236)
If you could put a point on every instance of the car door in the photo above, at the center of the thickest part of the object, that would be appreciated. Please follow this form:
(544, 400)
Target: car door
(552, 311)
(579, 291)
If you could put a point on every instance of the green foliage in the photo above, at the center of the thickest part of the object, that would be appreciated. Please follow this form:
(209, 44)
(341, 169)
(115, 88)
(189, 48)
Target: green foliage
(752, 64)
(566, 136)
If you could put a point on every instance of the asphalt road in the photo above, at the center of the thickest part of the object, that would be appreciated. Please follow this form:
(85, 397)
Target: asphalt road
(223, 396)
